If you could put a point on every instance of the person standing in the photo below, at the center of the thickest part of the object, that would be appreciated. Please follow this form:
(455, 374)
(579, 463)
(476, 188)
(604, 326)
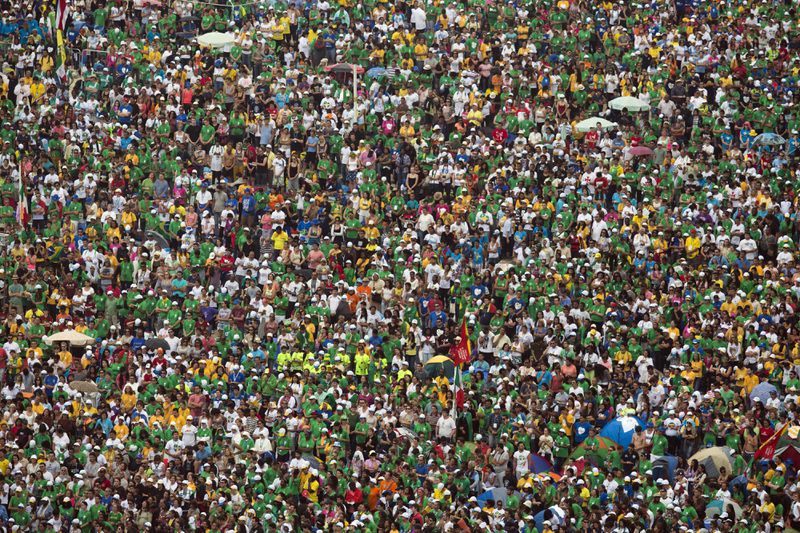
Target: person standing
(446, 427)
(499, 461)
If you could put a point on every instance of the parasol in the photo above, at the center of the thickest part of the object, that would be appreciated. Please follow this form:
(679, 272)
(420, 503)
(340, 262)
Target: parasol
(156, 343)
(714, 459)
(344, 68)
(377, 72)
(580, 430)
(439, 365)
(664, 468)
(724, 505)
(604, 447)
(555, 515)
(640, 150)
(591, 123)
(788, 448)
(217, 40)
(313, 461)
(496, 495)
(769, 139)
(628, 103)
(552, 475)
(762, 391)
(538, 464)
(75, 338)
(85, 387)
(621, 429)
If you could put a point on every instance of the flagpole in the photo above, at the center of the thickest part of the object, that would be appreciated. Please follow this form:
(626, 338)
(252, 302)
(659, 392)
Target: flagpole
(19, 192)
(460, 353)
(454, 408)
(20, 213)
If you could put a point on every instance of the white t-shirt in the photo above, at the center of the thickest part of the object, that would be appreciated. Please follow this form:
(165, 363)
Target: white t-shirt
(446, 427)
(521, 462)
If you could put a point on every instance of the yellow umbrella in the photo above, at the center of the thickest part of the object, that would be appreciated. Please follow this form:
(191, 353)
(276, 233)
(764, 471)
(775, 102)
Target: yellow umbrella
(439, 365)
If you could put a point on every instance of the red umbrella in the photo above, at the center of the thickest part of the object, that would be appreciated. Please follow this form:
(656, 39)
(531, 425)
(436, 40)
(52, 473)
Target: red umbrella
(641, 150)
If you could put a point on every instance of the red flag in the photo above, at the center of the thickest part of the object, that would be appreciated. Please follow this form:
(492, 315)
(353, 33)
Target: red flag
(767, 450)
(461, 351)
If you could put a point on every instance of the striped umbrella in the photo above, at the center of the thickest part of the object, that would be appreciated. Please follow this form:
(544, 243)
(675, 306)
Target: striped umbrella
(604, 447)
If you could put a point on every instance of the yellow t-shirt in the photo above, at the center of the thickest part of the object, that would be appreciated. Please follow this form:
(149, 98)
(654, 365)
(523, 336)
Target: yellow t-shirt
(128, 401)
(279, 240)
(692, 247)
(768, 508)
(65, 358)
(128, 218)
(46, 64)
(750, 382)
(37, 91)
(122, 431)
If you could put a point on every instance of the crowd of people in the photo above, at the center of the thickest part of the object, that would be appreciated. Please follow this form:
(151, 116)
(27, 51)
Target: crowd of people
(238, 269)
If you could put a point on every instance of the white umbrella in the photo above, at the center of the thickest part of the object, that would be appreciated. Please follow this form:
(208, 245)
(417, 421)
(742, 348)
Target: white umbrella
(75, 338)
(628, 103)
(216, 39)
(591, 123)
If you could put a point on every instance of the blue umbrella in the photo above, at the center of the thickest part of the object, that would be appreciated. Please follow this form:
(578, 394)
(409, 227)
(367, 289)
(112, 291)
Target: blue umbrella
(762, 391)
(737, 482)
(664, 468)
(497, 495)
(554, 514)
(620, 430)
